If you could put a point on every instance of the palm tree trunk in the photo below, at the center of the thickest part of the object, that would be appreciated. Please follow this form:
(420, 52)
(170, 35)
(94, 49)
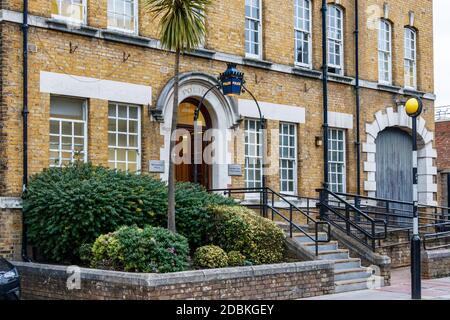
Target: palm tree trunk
(171, 193)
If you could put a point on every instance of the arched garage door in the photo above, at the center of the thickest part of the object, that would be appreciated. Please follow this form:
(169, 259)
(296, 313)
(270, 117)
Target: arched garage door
(394, 167)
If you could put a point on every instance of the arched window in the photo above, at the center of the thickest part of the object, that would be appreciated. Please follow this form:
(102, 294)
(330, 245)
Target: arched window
(410, 58)
(385, 52)
(302, 31)
(335, 39)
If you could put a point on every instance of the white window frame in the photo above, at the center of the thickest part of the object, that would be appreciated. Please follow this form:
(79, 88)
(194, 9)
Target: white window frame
(303, 31)
(333, 186)
(136, 20)
(253, 183)
(412, 60)
(384, 35)
(339, 68)
(59, 16)
(60, 135)
(289, 158)
(116, 132)
(260, 31)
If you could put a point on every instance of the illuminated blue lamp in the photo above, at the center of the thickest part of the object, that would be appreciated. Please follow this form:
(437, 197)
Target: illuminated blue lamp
(232, 81)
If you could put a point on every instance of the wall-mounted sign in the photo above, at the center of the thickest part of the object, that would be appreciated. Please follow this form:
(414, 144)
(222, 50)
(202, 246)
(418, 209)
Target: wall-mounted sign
(157, 166)
(235, 170)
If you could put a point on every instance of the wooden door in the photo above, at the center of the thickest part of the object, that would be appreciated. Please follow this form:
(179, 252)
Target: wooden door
(184, 172)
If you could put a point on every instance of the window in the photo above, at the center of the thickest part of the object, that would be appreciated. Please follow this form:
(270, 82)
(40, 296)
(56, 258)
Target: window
(69, 10)
(67, 130)
(253, 34)
(385, 52)
(410, 58)
(253, 154)
(302, 30)
(288, 158)
(336, 156)
(124, 137)
(123, 15)
(335, 40)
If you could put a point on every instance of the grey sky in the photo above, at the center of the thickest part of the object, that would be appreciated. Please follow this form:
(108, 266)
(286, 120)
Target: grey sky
(442, 51)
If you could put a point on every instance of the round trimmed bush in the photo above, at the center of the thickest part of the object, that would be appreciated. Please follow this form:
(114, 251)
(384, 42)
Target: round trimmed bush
(132, 249)
(210, 257)
(67, 207)
(240, 229)
(236, 259)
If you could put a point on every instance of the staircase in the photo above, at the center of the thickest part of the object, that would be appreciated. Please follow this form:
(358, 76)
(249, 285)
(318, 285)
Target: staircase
(349, 275)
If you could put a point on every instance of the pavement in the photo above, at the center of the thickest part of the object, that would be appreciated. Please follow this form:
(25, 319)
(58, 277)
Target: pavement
(400, 289)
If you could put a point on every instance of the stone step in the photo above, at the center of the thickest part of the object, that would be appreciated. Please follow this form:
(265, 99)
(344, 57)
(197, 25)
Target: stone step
(346, 264)
(351, 274)
(300, 237)
(352, 285)
(311, 246)
(338, 254)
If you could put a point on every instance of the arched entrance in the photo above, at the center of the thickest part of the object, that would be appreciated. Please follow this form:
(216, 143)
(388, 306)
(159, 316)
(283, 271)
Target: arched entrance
(184, 172)
(398, 119)
(223, 114)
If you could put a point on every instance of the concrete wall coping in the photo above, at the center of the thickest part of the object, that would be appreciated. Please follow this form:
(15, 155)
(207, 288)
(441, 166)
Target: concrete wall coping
(151, 279)
(436, 254)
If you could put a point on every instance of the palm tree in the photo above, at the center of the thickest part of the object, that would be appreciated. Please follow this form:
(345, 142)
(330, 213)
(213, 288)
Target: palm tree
(182, 28)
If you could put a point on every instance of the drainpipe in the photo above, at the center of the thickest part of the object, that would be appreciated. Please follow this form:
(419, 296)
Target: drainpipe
(358, 105)
(25, 122)
(325, 93)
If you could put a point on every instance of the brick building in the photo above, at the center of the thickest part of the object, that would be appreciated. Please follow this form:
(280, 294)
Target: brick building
(101, 89)
(443, 152)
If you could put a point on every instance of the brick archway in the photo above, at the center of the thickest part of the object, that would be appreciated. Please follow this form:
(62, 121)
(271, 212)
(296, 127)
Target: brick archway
(426, 152)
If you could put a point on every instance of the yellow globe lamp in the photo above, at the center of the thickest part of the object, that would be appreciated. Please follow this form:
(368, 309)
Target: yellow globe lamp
(413, 107)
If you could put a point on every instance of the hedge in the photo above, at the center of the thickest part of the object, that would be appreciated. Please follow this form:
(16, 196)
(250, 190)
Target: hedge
(67, 207)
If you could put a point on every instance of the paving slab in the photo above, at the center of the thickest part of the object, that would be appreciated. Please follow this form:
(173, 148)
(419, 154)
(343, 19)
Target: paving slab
(400, 289)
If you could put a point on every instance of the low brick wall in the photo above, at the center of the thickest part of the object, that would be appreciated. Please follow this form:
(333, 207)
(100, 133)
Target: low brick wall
(435, 264)
(10, 232)
(274, 282)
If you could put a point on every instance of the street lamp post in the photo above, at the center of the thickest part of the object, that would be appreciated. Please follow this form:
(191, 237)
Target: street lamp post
(232, 83)
(414, 108)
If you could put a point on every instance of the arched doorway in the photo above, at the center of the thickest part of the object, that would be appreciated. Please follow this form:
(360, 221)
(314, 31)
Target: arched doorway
(184, 172)
(394, 167)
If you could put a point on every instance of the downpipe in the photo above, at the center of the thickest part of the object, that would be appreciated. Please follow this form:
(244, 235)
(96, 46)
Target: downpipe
(25, 113)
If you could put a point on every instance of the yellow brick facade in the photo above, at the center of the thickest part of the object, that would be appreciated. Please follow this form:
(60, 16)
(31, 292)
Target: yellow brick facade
(103, 59)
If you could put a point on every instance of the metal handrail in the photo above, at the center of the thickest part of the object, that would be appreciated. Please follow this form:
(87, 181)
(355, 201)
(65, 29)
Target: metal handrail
(346, 219)
(292, 224)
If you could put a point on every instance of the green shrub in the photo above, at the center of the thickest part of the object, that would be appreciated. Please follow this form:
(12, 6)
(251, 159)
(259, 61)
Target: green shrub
(67, 207)
(236, 259)
(210, 257)
(86, 253)
(193, 214)
(240, 229)
(147, 250)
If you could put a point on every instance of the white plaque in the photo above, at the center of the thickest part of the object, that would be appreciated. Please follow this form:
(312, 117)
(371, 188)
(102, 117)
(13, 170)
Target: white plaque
(235, 170)
(157, 166)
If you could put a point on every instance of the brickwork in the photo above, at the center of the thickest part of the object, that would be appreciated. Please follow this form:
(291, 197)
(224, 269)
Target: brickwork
(277, 282)
(10, 233)
(103, 59)
(443, 144)
(443, 159)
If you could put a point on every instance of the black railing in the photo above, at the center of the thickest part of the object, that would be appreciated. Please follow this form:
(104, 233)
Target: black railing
(399, 214)
(353, 221)
(268, 202)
